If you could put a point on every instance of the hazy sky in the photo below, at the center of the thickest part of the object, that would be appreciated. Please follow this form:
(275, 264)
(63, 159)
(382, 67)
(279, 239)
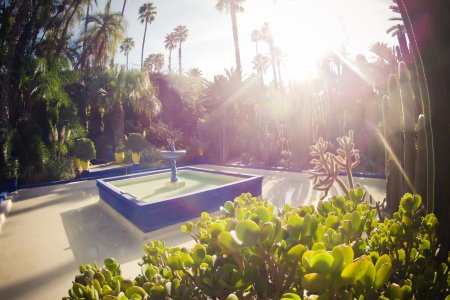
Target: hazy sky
(303, 29)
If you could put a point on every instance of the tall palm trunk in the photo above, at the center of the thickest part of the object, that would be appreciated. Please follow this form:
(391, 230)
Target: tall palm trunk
(236, 40)
(179, 58)
(66, 26)
(143, 43)
(50, 24)
(62, 22)
(86, 26)
(279, 71)
(123, 7)
(274, 66)
(170, 60)
(127, 61)
(95, 122)
(115, 124)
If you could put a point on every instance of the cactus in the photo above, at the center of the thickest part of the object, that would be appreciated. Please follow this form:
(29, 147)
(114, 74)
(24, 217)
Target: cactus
(395, 145)
(399, 114)
(420, 179)
(386, 128)
(408, 108)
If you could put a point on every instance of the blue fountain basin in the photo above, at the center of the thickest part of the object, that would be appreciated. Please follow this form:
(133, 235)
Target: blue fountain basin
(147, 202)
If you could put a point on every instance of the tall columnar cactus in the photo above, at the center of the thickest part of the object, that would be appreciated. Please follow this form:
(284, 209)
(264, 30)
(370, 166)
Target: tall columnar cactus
(394, 138)
(409, 117)
(399, 117)
(420, 179)
(386, 127)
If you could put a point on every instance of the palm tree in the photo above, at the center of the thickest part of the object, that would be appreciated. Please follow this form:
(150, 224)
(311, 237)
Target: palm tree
(382, 51)
(127, 45)
(170, 42)
(195, 73)
(266, 35)
(158, 62)
(233, 7)
(278, 56)
(399, 30)
(103, 35)
(88, 7)
(147, 14)
(256, 37)
(181, 33)
(119, 87)
(260, 64)
(123, 7)
(148, 63)
(154, 62)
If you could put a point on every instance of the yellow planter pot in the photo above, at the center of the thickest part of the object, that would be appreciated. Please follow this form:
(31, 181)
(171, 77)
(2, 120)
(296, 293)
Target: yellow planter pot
(85, 164)
(119, 157)
(77, 163)
(136, 157)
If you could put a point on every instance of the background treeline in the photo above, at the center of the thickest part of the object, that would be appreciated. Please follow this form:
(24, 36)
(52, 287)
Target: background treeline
(58, 82)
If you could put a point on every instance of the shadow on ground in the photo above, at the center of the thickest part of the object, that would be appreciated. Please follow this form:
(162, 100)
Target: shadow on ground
(95, 234)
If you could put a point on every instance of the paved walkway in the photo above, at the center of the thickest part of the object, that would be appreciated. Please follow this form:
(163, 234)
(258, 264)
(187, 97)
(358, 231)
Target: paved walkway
(51, 230)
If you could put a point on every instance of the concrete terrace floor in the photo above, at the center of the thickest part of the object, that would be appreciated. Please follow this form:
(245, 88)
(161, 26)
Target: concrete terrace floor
(53, 229)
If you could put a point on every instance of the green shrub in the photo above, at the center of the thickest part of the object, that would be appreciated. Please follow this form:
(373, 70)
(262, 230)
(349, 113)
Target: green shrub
(339, 250)
(151, 156)
(12, 169)
(84, 149)
(58, 168)
(120, 148)
(135, 142)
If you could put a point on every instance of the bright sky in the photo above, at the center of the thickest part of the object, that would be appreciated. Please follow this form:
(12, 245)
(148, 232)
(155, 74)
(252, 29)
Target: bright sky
(303, 29)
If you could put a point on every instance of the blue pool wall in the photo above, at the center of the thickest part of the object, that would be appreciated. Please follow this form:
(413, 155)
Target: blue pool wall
(151, 216)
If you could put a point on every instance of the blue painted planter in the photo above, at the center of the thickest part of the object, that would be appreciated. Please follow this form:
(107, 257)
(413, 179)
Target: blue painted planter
(151, 216)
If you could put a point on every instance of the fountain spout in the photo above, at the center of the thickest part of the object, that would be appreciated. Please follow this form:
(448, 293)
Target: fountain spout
(172, 156)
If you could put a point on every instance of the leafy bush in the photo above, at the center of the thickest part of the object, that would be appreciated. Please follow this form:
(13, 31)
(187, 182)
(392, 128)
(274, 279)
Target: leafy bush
(159, 133)
(151, 156)
(339, 250)
(84, 149)
(135, 142)
(11, 169)
(58, 168)
(120, 148)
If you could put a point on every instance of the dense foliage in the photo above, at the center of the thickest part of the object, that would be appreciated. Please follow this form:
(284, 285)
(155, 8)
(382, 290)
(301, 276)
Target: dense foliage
(135, 142)
(59, 83)
(84, 149)
(252, 250)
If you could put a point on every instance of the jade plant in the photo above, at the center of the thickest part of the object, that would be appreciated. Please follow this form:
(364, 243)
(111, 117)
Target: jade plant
(252, 250)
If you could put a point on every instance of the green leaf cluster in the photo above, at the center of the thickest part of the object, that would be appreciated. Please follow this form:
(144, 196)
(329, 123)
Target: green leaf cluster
(253, 250)
(135, 142)
(84, 149)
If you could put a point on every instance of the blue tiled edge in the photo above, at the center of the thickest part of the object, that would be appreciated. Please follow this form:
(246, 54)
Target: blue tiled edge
(151, 216)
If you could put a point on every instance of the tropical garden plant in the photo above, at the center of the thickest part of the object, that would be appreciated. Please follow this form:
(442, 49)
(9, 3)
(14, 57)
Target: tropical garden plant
(135, 142)
(147, 14)
(84, 149)
(252, 250)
